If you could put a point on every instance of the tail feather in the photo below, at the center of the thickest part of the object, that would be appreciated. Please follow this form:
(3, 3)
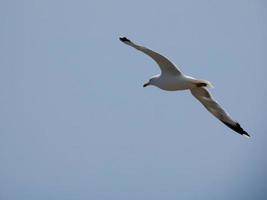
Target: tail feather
(203, 83)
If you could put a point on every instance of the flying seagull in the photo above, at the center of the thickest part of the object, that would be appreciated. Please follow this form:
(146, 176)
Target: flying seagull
(172, 79)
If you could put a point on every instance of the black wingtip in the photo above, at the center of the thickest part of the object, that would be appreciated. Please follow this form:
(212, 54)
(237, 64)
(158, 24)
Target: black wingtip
(246, 134)
(237, 128)
(124, 39)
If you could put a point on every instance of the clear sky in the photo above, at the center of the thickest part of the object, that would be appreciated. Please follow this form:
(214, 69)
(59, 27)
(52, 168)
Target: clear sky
(77, 124)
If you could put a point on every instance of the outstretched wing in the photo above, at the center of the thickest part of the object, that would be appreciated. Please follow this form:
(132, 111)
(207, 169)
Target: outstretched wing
(203, 95)
(165, 64)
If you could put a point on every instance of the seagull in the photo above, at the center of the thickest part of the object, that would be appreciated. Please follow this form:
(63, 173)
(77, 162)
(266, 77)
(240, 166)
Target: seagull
(172, 79)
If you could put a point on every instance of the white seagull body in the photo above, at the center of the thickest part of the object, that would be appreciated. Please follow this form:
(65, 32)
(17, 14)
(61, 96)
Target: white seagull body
(172, 79)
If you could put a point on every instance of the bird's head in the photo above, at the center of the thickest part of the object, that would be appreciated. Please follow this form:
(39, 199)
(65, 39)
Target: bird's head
(152, 81)
(146, 84)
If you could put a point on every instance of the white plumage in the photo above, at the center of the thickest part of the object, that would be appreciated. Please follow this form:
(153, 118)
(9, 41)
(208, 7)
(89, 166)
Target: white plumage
(172, 79)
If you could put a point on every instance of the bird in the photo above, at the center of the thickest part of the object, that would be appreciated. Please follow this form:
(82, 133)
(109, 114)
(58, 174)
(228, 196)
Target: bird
(172, 79)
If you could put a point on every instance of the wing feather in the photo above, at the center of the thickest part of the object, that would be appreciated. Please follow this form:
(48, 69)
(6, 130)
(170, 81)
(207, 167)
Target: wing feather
(203, 95)
(164, 63)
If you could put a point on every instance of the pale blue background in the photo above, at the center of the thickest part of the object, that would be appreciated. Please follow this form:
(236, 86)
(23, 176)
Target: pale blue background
(75, 122)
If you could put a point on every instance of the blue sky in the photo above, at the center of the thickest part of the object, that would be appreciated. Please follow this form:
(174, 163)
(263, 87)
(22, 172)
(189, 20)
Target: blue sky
(77, 124)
